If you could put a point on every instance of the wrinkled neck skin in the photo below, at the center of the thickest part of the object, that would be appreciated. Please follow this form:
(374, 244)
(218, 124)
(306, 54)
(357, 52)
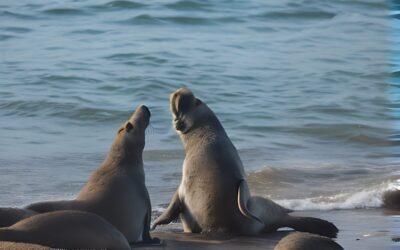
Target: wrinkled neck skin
(126, 154)
(205, 132)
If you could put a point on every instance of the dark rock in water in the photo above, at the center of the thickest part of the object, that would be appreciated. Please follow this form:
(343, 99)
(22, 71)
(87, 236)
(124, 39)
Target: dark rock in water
(307, 241)
(391, 199)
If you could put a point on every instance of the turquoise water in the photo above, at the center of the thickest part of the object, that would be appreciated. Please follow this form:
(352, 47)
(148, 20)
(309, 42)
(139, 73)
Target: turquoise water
(305, 89)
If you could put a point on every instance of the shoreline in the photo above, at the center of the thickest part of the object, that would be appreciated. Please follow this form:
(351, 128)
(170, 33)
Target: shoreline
(367, 229)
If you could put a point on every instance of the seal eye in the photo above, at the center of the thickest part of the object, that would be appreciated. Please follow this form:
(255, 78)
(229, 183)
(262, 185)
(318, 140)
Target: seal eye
(128, 126)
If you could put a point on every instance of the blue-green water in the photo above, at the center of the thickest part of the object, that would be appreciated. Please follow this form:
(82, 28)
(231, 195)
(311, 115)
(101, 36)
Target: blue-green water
(304, 89)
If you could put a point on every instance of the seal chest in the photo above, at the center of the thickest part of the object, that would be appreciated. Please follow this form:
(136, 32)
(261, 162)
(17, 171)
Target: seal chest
(116, 190)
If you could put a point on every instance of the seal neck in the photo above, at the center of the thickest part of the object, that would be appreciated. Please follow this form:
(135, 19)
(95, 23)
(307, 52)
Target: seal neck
(126, 155)
(124, 158)
(206, 132)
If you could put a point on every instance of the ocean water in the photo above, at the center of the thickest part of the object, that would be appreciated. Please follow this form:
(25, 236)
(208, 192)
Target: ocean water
(307, 90)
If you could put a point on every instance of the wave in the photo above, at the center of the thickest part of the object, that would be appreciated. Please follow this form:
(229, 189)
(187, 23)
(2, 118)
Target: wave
(187, 20)
(362, 199)
(6, 37)
(145, 19)
(188, 5)
(142, 19)
(64, 11)
(68, 110)
(298, 15)
(17, 15)
(365, 198)
(18, 30)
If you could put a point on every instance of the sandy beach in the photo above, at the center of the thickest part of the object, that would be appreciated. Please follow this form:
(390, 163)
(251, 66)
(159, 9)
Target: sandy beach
(366, 229)
(361, 229)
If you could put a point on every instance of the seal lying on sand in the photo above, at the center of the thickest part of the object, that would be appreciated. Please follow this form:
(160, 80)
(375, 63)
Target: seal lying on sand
(116, 191)
(307, 241)
(67, 230)
(213, 194)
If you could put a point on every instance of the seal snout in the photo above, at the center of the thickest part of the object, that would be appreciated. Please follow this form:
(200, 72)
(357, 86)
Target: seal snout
(142, 115)
(179, 125)
(146, 110)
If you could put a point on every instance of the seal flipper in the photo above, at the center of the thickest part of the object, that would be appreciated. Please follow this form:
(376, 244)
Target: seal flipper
(171, 213)
(310, 225)
(146, 231)
(243, 197)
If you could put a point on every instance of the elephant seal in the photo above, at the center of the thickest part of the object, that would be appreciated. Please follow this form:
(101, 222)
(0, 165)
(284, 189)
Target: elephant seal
(307, 241)
(67, 230)
(116, 190)
(213, 195)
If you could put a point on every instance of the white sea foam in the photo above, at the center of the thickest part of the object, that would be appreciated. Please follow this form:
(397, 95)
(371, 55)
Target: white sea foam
(365, 198)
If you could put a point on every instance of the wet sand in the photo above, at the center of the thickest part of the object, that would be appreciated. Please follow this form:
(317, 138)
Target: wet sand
(366, 229)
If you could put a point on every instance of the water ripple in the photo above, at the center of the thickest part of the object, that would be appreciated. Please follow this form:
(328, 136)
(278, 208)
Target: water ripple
(299, 15)
(189, 5)
(119, 5)
(64, 11)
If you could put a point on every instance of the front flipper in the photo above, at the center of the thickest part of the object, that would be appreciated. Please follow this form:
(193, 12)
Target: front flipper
(147, 239)
(171, 213)
(242, 199)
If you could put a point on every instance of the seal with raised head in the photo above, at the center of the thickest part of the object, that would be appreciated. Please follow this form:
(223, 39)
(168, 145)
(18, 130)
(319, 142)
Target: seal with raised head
(66, 230)
(116, 190)
(307, 241)
(213, 194)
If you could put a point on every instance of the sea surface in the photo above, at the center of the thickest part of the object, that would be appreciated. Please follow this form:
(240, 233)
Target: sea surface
(307, 90)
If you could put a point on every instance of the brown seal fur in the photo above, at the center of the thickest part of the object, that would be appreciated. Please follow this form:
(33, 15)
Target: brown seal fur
(116, 190)
(307, 241)
(213, 195)
(66, 229)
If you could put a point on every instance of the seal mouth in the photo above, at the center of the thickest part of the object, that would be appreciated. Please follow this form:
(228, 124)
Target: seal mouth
(180, 126)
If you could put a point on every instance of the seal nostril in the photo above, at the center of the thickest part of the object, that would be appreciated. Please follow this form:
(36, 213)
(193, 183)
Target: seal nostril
(148, 110)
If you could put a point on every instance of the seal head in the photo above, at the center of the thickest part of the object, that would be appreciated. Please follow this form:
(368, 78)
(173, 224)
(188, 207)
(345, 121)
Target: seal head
(186, 110)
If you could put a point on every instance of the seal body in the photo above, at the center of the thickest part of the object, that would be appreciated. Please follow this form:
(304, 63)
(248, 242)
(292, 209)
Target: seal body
(116, 190)
(213, 194)
(67, 230)
(307, 241)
